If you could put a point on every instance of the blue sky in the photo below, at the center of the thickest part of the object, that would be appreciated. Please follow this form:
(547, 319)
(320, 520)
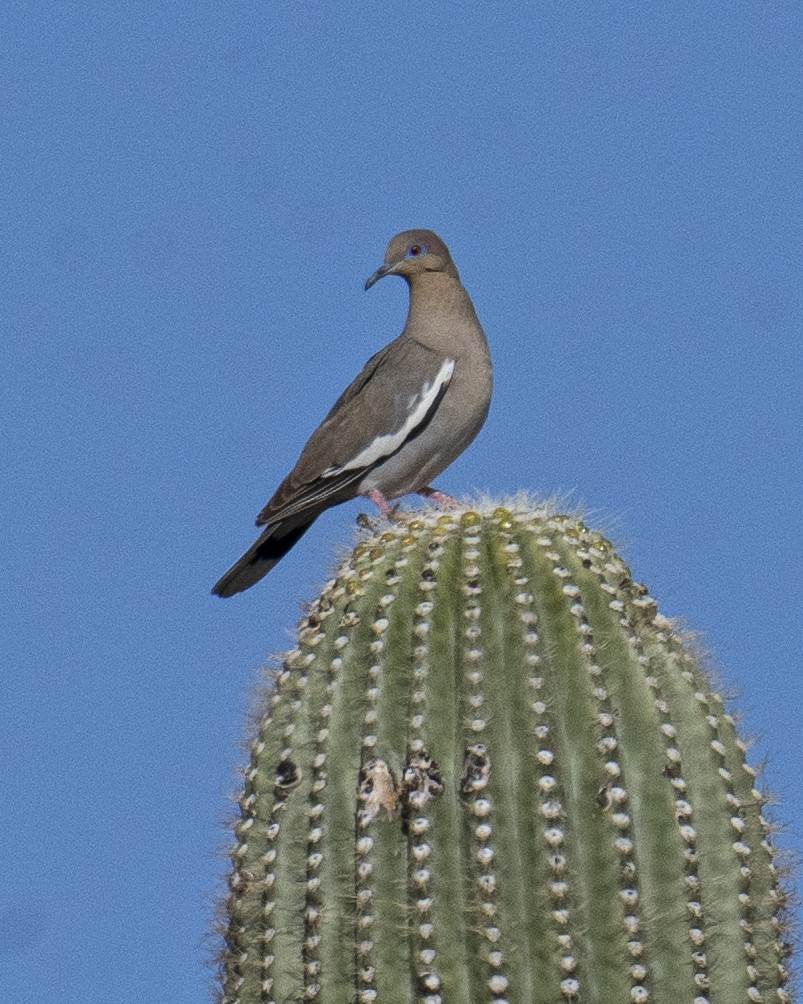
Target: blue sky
(192, 197)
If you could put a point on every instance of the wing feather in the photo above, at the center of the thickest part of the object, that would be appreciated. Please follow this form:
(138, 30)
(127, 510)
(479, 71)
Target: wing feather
(391, 401)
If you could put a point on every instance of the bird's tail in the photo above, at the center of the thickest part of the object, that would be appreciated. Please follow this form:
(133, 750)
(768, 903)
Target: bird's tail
(258, 560)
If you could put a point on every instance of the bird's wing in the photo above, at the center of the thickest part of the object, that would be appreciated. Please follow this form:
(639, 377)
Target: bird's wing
(390, 402)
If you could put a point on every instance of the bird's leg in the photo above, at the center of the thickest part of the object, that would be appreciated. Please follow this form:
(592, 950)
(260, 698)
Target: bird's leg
(440, 498)
(386, 510)
(380, 502)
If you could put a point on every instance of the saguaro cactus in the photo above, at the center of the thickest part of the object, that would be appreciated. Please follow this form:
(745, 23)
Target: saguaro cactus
(491, 771)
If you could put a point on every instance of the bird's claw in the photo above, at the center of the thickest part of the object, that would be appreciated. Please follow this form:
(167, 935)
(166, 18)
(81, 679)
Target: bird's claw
(440, 498)
(368, 522)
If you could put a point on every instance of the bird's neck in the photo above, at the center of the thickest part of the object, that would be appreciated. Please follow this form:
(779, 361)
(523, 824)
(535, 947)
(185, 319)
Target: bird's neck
(438, 302)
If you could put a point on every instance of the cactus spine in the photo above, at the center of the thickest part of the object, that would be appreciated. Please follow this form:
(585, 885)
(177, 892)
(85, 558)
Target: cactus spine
(490, 771)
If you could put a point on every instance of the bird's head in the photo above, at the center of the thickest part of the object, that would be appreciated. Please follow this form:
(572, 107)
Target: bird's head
(411, 253)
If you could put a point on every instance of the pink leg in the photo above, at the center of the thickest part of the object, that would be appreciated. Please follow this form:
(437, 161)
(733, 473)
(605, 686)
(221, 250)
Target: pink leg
(380, 501)
(440, 498)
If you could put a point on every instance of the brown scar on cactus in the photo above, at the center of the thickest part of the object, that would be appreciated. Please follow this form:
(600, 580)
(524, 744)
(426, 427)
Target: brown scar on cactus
(377, 790)
(476, 768)
(491, 770)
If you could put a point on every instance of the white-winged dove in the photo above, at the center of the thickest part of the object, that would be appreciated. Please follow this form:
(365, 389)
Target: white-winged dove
(414, 407)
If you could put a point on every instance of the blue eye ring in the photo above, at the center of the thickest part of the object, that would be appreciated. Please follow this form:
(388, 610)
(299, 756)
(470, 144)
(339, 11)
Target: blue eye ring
(415, 250)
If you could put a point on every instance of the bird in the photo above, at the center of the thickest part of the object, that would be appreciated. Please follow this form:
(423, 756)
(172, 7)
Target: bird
(413, 408)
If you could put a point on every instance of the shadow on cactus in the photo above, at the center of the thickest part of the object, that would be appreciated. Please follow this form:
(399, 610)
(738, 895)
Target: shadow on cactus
(491, 771)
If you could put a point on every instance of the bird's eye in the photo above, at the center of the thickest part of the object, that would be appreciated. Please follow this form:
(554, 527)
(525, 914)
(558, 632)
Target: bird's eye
(415, 250)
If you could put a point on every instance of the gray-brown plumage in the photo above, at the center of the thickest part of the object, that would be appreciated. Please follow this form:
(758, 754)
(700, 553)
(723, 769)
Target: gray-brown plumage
(413, 409)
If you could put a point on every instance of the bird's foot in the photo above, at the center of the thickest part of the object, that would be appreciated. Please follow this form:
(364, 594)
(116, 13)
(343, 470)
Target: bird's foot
(386, 510)
(440, 498)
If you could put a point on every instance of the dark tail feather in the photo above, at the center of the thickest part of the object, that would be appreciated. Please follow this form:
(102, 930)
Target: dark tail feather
(258, 560)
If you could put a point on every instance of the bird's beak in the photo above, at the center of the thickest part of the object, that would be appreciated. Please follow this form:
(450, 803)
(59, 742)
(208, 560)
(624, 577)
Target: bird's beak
(384, 269)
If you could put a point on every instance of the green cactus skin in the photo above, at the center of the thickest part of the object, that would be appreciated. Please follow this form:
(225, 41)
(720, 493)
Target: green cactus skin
(492, 773)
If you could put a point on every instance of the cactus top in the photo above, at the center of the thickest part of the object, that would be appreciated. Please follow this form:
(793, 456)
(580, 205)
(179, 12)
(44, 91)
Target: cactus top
(491, 771)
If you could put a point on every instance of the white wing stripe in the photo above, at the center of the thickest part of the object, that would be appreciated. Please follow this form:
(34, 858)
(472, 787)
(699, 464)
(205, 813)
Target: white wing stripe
(383, 446)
